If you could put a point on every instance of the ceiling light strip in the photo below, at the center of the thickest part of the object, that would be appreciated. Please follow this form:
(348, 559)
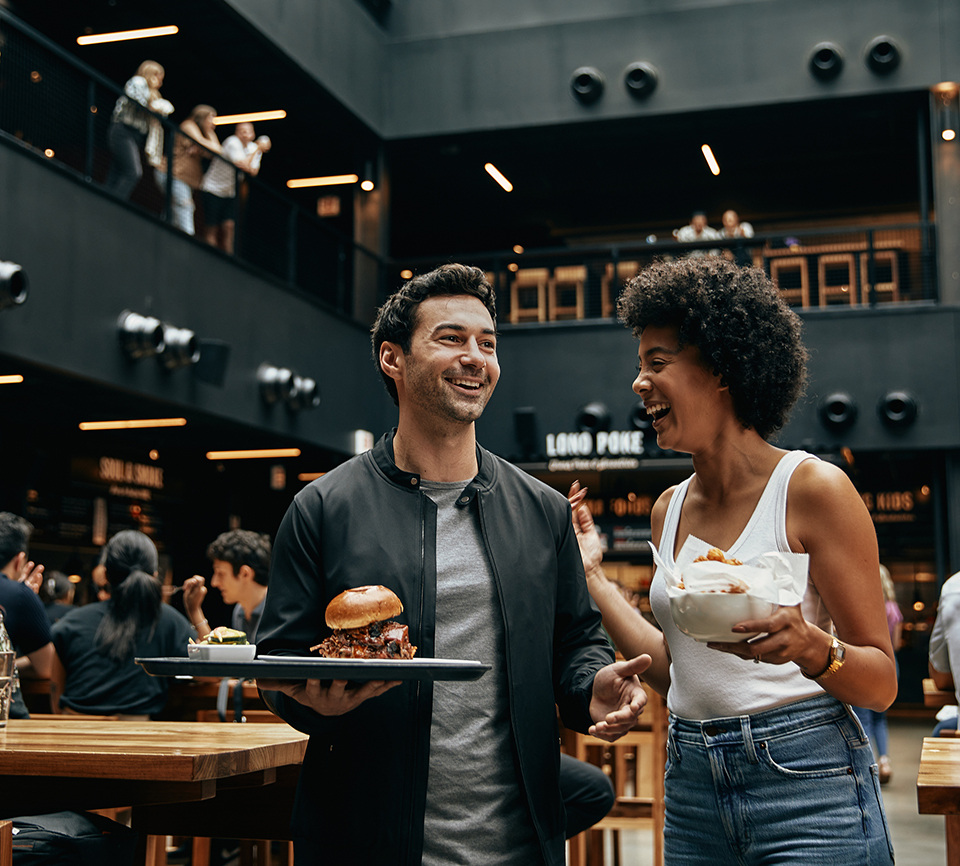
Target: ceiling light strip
(133, 424)
(252, 454)
(124, 35)
(711, 159)
(495, 173)
(250, 117)
(330, 180)
(15, 379)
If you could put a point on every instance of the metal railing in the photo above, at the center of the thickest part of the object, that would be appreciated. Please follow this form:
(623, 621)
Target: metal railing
(57, 107)
(815, 269)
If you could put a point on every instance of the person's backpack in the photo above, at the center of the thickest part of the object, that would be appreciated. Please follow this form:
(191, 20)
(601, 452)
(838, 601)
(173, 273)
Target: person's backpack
(71, 839)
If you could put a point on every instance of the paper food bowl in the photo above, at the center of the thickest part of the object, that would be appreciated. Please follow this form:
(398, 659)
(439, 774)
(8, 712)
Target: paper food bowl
(211, 652)
(710, 616)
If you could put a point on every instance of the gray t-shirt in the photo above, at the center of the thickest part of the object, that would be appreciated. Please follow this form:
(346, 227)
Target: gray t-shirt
(476, 813)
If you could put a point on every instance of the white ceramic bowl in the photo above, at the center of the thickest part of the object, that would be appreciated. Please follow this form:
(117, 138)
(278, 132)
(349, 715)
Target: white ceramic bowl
(709, 616)
(212, 652)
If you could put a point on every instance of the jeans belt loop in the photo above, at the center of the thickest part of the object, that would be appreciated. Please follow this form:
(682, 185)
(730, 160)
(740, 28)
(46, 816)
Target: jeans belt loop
(748, 740)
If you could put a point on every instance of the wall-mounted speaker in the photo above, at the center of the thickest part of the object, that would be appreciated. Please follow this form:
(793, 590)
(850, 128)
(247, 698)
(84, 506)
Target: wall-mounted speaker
(897, 409)
(826, 61)
(882, 55)
(593, 417)
(587, 84)
(838, 411)
(641, 79)
(525, 431)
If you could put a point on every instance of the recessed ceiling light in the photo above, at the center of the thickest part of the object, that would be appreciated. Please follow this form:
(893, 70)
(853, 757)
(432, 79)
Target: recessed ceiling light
(711, 159)
(253, 453)
(250, 117)
(133, 424)
(495, 173)
(14, 379)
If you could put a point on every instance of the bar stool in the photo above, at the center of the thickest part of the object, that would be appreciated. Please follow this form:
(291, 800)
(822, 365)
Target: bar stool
(565, 292)
(528, 295)
(795, 267)
(610, 285)
(829, 267)
(891, 287)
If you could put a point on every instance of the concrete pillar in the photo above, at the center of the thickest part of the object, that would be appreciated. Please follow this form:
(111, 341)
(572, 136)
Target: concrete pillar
(946, 187)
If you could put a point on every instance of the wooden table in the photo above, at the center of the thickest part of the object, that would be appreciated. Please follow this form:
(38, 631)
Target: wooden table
(177, 776)
(934, 697)
(938, 788)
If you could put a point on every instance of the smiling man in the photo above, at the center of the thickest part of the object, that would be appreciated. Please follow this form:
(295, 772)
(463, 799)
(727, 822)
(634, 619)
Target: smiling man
(485, 562)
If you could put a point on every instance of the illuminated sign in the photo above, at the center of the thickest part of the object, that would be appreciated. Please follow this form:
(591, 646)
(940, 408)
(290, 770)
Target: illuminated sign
(892, 506)
(126, 472)
(585, 444)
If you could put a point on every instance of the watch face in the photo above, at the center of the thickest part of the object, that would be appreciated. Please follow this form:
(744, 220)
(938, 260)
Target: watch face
(839, 651)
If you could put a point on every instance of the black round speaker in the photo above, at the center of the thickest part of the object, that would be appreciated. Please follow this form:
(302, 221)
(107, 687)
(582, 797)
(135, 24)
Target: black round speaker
(882, 55)
(639, 419)
(587, 84)
(826, 60)
(593, 417)
(897, 409)
(838, 411)
(641, 79)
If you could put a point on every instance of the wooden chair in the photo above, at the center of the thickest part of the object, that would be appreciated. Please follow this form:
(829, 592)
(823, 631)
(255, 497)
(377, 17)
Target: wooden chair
(565, 292)
(528, 295)
(889, 261)
(792, 266)
(635, 764)
(610, 285)
(829, 267)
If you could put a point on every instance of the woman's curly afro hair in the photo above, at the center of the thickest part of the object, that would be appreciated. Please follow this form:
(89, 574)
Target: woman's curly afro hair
(743, 328)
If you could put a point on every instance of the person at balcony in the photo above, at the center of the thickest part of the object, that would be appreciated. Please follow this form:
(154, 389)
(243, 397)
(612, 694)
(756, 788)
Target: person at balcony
(874, 722)
(697, 231)
(484, 560)
(766, 760)
(734, 228)
(241, 569)
(94, 671)
(242, 150)
(944, 650)
(196, 142)
(23, 614)
(130, 124)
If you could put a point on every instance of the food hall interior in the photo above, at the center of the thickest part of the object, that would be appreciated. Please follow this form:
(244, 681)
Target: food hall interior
(830, 125)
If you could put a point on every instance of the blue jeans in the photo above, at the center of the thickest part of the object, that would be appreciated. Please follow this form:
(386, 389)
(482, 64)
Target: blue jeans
(181, 202)
(792, 785)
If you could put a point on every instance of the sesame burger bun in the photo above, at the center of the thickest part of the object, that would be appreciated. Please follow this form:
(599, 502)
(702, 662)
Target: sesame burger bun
(361, 606)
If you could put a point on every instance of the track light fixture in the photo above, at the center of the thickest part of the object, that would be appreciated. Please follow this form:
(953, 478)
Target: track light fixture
(14, 286)
(281, 384)
(146, 336)
(897, 409)
(180, 348)
(139, 336)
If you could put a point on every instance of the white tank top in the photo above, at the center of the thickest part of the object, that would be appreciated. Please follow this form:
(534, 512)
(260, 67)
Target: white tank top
(708, 684)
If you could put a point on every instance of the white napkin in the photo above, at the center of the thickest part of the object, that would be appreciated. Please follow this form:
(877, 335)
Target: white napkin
(777, 577)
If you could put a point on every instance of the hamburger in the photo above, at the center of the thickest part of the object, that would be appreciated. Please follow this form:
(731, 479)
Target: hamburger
(363, 626)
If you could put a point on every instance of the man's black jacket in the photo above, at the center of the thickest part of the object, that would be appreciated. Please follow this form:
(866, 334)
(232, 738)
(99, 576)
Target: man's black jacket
(364, 779)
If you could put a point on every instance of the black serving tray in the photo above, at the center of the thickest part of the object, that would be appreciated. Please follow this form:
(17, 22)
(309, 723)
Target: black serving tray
(313, 668)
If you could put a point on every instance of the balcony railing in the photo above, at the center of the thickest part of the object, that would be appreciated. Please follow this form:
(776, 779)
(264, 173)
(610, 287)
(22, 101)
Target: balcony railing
(56, 107)
(814, 269)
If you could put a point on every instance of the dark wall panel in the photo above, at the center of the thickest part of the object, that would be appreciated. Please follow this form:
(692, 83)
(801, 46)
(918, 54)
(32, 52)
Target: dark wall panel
(89, 257)
(862, 353)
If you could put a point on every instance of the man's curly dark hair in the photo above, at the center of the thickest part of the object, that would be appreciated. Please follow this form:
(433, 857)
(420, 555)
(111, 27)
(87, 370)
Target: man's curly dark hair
(735, 316)
(397, 318)
(243, 547)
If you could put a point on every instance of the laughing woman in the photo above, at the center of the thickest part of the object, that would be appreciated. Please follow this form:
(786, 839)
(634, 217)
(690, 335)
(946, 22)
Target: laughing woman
(766, 761)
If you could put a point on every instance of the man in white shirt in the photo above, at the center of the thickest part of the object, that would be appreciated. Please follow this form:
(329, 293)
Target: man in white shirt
(945, 644)
(698, 230)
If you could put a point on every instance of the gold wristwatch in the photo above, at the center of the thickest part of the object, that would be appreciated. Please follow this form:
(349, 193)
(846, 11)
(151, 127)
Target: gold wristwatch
(838, 653)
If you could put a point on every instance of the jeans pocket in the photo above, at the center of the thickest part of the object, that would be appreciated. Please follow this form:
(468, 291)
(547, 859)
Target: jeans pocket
(792, 756)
